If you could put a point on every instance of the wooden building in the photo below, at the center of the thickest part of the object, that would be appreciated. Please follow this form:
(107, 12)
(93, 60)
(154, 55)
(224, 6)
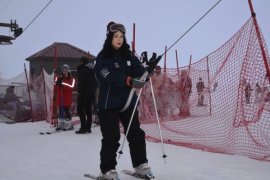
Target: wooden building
(54, 56)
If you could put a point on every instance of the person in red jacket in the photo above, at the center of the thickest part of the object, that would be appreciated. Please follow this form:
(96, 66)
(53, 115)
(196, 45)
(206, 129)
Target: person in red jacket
(64, 85)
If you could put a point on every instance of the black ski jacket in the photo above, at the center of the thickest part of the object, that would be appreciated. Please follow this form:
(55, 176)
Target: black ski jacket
(111, 74)
(87, 82)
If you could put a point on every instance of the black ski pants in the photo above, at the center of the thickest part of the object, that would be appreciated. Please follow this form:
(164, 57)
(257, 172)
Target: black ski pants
(84, 109)
(110, 129)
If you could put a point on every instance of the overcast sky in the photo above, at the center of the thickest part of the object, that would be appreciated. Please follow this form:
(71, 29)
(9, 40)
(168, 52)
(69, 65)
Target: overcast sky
(82, 23)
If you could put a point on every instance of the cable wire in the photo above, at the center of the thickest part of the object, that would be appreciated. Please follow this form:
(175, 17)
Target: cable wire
(38, 15)
(192, 26)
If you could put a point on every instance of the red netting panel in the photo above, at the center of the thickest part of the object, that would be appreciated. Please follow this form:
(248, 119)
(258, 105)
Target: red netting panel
(38, 97)
(34, 98)
(42, 98)
(220, 112)
(15, 107)
(51, 112)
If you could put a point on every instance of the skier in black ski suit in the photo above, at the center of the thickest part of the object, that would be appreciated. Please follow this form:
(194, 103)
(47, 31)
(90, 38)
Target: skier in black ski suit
(117, 71)
(86, 94)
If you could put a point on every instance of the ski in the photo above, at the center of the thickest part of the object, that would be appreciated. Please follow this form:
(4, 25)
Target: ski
(91, 176)
(49, 132)
(61, 130)
(53, 132)
(131, 173)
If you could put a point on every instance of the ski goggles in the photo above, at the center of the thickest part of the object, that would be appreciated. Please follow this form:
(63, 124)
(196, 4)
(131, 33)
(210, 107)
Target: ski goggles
(117, 27)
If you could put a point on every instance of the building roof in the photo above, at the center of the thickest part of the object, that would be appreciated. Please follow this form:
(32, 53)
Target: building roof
(60, 50)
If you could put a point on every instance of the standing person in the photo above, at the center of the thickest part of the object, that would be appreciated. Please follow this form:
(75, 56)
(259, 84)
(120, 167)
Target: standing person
(10, 94)
(184, 86)
(215, 86)
(258, 93)
(86, 94)
(248, 90)
(117, 72)
(160, 80)
(64, 85)
(200, 87)
(11, 100)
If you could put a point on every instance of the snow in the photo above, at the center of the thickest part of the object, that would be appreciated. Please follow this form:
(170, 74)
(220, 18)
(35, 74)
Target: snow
(27, 155)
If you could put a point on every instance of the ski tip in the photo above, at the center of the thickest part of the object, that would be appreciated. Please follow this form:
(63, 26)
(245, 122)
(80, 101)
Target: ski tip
(90, 176)
(43, 133)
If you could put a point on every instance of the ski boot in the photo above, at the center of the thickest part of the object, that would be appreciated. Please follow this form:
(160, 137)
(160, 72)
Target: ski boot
(61, 125)
(144, 171)
(109, 175)
(68, 125)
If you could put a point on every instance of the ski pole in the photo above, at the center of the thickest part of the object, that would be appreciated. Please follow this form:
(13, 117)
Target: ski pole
(130, 121)
(157, 116)
(61, 118)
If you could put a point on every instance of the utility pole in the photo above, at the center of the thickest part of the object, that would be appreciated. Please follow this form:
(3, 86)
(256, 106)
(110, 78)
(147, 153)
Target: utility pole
(5, 40)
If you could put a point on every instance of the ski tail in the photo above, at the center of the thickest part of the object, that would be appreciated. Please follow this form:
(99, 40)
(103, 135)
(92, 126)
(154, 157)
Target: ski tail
(131, 173)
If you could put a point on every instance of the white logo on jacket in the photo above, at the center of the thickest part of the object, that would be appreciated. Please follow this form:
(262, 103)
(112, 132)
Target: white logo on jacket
(128, 63)
(104, 72)
(116, 65)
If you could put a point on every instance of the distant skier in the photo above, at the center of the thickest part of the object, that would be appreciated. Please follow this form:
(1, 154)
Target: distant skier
(200, 87)
(184, 86)
(215, 86)
(160, 81)
(64, 85)
(258, 93)
(11, 100)
(248, 92)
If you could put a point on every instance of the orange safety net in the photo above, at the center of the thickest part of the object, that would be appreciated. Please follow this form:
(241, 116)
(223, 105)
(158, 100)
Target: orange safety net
(220, 103)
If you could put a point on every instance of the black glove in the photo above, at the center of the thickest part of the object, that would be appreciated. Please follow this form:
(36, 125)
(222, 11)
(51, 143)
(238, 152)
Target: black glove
(59, 81)
(152, 63)
(144, 58)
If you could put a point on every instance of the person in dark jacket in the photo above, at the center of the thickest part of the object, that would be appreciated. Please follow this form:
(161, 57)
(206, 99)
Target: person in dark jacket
(117, 71)
(86, 94)
(200, 88)
(11, 100)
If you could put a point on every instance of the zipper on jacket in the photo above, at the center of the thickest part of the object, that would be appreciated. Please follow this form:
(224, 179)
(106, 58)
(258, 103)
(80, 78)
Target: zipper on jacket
(107, 97)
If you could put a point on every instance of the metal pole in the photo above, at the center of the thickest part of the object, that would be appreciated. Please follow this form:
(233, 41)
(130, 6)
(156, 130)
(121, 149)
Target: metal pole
(177, 65)
(189, 65)
(44, 91)
(130, 121)
(133, 41)
(30, 100)
(259, 39)
(158, 121)
(54, 119)
(210, 99)
(165, 59)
